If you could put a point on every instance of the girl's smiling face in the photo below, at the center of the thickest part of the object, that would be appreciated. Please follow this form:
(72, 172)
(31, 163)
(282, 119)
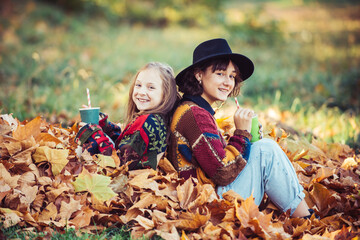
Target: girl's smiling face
(148, 89)
(217, 85)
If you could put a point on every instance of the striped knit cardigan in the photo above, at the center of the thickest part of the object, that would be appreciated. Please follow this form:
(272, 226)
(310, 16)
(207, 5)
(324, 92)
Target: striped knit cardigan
(198, 149)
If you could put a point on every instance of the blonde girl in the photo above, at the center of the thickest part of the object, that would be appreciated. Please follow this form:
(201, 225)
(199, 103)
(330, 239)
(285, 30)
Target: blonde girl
(143, 141)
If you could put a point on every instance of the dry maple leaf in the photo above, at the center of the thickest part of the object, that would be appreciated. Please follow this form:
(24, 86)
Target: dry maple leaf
(158, 202)
(56, 157)
(97, 185)
(32, 128)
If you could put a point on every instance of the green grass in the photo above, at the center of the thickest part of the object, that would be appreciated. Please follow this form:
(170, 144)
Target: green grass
(16, 232)
(49, 58)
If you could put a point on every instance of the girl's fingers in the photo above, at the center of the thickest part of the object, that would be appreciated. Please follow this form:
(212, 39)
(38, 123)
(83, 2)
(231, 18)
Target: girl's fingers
(245, 113)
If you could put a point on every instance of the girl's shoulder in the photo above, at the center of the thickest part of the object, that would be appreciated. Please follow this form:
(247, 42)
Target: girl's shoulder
(152, 118)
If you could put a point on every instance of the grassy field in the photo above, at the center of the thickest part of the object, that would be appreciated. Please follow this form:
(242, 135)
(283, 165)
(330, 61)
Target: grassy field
(304, 62)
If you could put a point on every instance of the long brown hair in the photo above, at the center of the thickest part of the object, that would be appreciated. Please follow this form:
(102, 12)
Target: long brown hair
(169, 93)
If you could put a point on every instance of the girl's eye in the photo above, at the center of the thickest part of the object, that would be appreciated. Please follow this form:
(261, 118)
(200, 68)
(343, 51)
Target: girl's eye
(137, 85)
(232, 76)
(152, 87)
(220, 73)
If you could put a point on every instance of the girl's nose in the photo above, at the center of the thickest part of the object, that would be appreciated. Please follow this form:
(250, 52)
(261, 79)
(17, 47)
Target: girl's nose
(141, 91)
(228, 80)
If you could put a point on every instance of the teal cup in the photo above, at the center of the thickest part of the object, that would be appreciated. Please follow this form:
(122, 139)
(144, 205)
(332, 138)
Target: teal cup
(255, 129)
(90, 115)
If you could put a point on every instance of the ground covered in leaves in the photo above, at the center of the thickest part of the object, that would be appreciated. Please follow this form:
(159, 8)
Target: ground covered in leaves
(46, 186)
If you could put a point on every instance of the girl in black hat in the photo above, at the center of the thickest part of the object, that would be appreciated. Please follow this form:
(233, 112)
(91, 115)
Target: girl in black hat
(198, 149)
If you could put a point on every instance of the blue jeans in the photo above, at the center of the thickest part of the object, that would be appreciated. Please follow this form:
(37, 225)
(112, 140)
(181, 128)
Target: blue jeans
(268, 171)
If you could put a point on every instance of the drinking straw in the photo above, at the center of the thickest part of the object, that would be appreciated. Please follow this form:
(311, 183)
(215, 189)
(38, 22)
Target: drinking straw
(237, 102)
(88, 96)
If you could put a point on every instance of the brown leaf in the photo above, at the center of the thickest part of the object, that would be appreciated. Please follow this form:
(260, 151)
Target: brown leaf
(5, 189)
(67, 209)
(322, 197)
(170, 235)
(23, 157)
(53, 193)
(12, 145)
(27, 196)
(47, 137)
(205, 194)
(147, 224)
(11, 217)
(166, 166)
(83, 218)
(191, 221)
(12, 181)
(9, 120)
(322, 173)
(56, 157)
(186, 193)
(48, 214)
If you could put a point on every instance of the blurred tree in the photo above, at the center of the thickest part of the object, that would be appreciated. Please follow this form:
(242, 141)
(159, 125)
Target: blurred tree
(6, 7)
(149, 12)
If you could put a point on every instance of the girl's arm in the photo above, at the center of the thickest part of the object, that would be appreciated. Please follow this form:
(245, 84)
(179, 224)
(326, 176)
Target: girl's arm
(92, 138)
(220, 162)
(143, 142)
(111, 129)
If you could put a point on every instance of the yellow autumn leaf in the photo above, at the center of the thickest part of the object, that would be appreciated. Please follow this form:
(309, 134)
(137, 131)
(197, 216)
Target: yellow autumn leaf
(56, 157)
(105, 161)
(224, 123)
(97, 185)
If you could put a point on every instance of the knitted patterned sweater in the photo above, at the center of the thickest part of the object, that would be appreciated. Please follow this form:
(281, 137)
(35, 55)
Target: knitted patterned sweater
(141, 140)
(198, 149)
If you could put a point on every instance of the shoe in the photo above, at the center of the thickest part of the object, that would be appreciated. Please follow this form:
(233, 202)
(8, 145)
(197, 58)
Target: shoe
(311, 213)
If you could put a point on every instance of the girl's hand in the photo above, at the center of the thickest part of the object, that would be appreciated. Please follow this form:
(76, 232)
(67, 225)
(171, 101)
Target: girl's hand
(243, 118)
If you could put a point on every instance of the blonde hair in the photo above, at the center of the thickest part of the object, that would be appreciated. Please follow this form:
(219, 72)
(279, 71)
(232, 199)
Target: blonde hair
(169, 93)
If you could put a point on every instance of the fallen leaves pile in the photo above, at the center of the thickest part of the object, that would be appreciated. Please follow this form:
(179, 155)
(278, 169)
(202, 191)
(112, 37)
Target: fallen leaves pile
(45, 185)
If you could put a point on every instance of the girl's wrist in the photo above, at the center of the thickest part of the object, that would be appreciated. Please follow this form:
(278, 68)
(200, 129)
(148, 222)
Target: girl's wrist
(242, 132)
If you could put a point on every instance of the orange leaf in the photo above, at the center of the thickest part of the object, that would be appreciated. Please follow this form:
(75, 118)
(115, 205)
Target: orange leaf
(192, 221)
(322, 173)
(83, 218)
(321, 196)
(32, 128)
(48, 214)
(47, 137)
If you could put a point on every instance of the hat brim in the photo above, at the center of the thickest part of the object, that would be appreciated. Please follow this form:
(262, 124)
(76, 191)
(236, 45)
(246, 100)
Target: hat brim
(245, 65)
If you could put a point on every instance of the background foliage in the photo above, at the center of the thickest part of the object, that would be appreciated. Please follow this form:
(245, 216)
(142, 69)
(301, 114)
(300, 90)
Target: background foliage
(306, 55)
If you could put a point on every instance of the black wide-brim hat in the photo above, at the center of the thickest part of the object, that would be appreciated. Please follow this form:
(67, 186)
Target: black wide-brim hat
(215, 48)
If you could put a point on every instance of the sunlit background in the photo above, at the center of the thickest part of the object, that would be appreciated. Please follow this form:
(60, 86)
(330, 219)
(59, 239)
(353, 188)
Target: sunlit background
(306, 55)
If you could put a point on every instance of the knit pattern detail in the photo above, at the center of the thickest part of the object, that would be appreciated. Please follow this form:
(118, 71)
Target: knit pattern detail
(140, 142)
(212, 159)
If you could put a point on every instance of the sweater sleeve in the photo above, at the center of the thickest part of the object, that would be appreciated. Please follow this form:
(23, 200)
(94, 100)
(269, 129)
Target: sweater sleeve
(111, 129)
(142, 142)
(220, 162)
(93, 139)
